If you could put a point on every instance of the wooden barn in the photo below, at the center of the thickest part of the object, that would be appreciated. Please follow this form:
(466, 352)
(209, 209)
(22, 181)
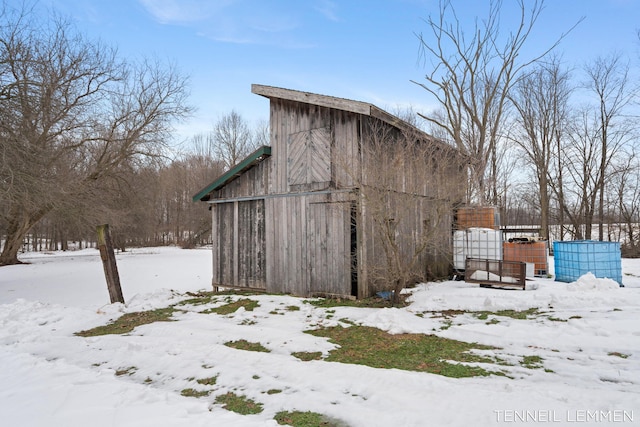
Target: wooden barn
(342, 192)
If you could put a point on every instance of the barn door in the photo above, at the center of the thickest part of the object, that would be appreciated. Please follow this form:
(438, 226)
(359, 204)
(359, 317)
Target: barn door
(250, 234)
(330, 248)
(309, 159)
(239, 255)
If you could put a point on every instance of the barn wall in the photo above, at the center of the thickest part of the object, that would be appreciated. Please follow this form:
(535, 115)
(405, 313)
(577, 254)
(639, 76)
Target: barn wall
(308, 244)
(416, 191)
(313, 147)
(415, 221)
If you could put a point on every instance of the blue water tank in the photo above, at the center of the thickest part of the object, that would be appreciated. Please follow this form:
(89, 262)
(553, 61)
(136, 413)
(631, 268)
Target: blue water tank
(574, 258)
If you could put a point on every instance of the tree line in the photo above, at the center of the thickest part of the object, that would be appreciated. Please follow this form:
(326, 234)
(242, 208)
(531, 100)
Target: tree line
(86, 139)
(86, 135)
(554, 141)
(150, 204)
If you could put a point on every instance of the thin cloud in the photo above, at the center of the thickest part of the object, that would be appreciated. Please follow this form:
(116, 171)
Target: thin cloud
(329, 10)
(183, 11)
(259, 39)
(232, 21)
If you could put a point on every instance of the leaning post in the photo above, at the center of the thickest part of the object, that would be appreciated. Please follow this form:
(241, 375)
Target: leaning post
(105, 245)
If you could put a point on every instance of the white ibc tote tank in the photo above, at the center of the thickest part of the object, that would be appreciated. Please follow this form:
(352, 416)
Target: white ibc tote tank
(482, 243)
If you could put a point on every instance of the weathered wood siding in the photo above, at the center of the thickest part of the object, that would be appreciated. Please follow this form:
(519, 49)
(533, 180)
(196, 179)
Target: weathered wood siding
(253, 182)
(313, 147)
(308, 244)
(414, 221)
(239, 244)
(222, 237)
(329, 242)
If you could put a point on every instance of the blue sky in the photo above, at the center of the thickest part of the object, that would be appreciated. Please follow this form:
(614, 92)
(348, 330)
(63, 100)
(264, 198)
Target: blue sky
(366, 50)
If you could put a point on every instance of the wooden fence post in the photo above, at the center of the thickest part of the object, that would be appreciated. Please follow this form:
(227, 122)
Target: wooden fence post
(105, 245)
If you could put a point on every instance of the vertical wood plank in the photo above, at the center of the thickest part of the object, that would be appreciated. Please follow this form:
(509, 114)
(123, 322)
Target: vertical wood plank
(215, 248)
(235, 236)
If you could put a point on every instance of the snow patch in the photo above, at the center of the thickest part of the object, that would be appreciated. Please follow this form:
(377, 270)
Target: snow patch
(589, 282)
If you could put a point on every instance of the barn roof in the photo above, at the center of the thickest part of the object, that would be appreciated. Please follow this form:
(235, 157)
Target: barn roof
(253, 159)
(358, 107)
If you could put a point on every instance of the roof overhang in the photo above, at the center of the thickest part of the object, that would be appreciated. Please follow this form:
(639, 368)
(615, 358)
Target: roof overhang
(312, 98)
(251, 160)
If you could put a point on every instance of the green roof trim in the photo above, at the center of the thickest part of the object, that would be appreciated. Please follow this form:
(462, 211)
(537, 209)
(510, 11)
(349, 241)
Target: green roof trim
(251, 160)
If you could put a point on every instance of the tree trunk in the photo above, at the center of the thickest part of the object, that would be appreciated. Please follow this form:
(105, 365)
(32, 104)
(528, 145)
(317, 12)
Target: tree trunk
(20, 223)
(544, 206)
(16, 232)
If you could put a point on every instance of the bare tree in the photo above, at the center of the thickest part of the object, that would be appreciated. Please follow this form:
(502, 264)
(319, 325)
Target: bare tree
(71, 115)
(579, 164)
(588, 161)
(627, 194)
(408, 184)
(541, 101)
(608, 80)
(233, 139)
(471, 77)
(261, 134)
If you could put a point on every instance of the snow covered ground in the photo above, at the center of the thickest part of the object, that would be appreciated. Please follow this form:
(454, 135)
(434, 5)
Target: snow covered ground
(588, 338)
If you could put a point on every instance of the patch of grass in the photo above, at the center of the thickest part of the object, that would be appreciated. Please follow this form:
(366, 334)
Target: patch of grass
(199, 298)
(232, 307)
(292, 308)
(368, 346)
(208, 381)
(532, 362)
(305, 419)
(190, 392)
(517, 314)
(126, 371)
(446, 325)
(307, 355)
(274, 391)
(447, 314)
(514, 314)
(246, 345)
(482, 315)
(618, 354)
(129, 321)
(371, 302)
(207, 297)
(558, 319)
(239, 404)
